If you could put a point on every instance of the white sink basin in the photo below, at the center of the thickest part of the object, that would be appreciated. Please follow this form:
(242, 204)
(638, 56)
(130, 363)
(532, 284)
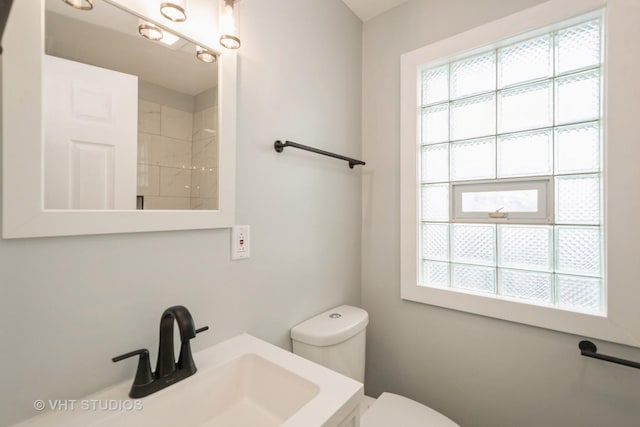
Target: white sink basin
(253, 391)
(242, 382)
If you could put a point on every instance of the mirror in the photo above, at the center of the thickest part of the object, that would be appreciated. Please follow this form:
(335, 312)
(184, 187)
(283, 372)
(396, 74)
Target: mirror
(29, 192)
(100, 151)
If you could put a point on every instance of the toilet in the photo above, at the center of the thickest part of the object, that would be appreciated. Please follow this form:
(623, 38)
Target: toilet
(336, 339)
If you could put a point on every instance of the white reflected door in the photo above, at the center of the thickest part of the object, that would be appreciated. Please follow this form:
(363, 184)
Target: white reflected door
(90, 141)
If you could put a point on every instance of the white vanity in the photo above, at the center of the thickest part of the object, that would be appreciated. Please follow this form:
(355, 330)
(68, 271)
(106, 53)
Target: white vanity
(241, 382)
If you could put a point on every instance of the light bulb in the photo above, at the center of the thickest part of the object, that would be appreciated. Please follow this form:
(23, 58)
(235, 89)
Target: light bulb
(229, 26)
(174, 10)
(205, 55)
(80, 4)
(149, 31)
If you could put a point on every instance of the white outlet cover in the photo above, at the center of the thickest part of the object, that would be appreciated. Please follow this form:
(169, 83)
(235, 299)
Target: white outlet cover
(240, 242)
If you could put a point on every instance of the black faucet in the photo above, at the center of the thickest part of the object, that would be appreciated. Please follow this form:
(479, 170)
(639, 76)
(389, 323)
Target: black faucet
(167, 370)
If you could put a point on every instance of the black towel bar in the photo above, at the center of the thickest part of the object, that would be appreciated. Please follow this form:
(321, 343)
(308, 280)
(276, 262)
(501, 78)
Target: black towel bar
(279, 147)
(589, 349)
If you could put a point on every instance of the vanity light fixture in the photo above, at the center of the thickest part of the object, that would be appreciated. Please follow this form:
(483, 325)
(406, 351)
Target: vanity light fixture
(80, 4)
(205, 55)
(229, 25)
(149, 31)
(174, 10)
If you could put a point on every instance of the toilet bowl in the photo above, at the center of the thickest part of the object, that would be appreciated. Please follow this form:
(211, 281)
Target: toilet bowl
(336, 339)
(394, 410)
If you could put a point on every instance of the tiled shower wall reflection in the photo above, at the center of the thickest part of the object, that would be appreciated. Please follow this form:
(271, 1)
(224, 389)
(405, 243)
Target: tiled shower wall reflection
(204, 160)
(177, 154)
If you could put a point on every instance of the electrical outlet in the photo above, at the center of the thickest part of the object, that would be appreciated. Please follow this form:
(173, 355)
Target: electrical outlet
(240, 248)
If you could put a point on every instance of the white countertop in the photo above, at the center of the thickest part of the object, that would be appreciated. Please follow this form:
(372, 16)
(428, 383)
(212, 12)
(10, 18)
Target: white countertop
(337, 395)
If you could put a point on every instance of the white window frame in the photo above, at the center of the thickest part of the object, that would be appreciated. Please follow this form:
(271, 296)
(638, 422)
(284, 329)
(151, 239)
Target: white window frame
(620, 125)
(544, 214)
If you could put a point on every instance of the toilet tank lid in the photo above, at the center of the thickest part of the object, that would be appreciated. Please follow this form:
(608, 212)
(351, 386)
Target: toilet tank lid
(331, 327)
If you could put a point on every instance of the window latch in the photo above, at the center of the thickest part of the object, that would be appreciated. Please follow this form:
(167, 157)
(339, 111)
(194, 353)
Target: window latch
(498, 214)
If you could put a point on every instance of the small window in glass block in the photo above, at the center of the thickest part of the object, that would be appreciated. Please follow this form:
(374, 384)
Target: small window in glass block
(474, 243)
(435, 241)
(473, 75)
(473, 159)
(578, 250)
(517, 201)
(578, 148)
(525, 107)
(577, 293)
(435, 274)
(578, 47)
(526, 247)
(473, 117)
(474, 278)
(525, 61)
(435, 163)
(435, 124)
(435, 85)
(526, 153)
(528, 286)
(435, 202)
(578, 199)
(496, 201)
(578, 97)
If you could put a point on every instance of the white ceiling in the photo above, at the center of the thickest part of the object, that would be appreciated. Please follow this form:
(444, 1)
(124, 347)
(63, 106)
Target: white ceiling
(367, 9)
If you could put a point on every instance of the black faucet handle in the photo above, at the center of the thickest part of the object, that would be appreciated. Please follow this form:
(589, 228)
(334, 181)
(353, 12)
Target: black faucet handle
(204, 328)
(140, 353)
(143, 373)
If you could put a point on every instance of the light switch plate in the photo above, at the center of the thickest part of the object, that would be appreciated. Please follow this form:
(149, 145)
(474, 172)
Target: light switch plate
(240, 248)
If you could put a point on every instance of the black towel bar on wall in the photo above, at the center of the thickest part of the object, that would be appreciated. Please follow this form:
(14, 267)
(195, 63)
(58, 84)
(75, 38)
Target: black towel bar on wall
(589, 349)
(279, 146)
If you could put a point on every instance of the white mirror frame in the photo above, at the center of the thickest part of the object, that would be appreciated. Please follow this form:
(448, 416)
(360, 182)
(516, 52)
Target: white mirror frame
(22, 138)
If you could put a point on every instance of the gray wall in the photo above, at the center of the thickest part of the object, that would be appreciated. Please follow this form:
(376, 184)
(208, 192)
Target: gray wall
(481, 372)
(69, 304)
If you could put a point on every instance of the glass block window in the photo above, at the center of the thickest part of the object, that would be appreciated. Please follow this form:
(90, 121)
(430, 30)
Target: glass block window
(497, 128)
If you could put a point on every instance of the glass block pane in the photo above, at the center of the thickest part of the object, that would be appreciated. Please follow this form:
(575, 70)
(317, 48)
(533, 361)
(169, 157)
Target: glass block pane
(578, 97)
(473, 117)
(578, 148)
(527, 247)
(435, 202)
(473, 75)
(528, 60)
(578, 47)
(435, 274)
(435, 85)
(526, 285)
(523, 154)
(474, 159)
(525, 107)
(578, 250)
(474, 278)
(474, 243)
(580, 293)
(435, 241)
(435, 163)
(578, 199)
(435, 124)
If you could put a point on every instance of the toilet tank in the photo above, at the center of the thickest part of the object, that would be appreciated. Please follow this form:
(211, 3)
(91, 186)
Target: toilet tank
(335, 339)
